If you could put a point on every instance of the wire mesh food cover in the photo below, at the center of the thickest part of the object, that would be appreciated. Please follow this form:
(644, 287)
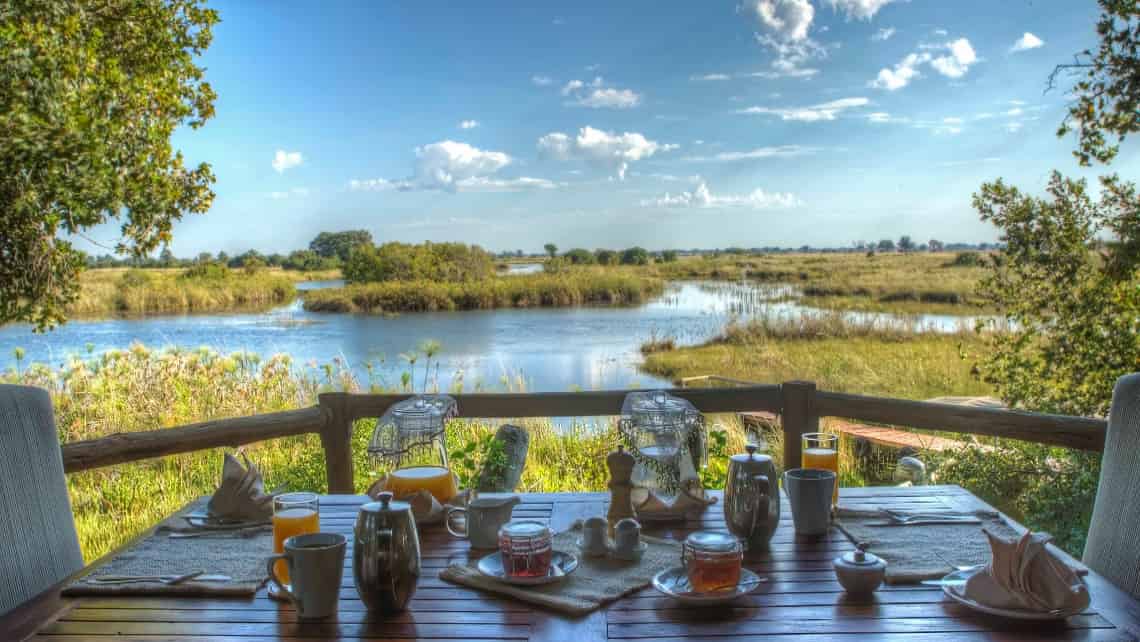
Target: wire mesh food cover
(413, 431)
(666, 436)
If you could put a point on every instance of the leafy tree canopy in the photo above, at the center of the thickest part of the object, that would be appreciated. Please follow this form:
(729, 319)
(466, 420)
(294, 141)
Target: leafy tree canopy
(432, 261)
(339, 244)
(90, 94)
(635, 256)
(1107, 105)
(579, 256)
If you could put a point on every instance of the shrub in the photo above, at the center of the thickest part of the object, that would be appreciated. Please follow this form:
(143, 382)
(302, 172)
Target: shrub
(579, 256)
(607, 257)
(448, 262)
(968, 259)
(635, 256)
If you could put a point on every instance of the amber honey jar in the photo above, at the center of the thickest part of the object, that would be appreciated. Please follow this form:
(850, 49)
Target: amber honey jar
(712, 561)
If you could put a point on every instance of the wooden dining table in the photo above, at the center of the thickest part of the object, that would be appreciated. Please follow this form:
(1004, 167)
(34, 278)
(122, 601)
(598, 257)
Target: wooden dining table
(801, 599)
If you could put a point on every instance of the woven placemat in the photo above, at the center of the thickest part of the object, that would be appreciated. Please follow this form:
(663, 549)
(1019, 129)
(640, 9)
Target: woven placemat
(922, 551)
(597, 582)
(240, 556)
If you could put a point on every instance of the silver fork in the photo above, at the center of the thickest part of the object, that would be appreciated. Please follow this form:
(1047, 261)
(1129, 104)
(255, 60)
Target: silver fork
(161, 579)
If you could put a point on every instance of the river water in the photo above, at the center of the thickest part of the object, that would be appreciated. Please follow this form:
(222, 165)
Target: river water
(547, 349)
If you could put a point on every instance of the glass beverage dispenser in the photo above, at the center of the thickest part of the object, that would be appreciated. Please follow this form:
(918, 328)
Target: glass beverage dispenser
(666, 436)
(410, 440)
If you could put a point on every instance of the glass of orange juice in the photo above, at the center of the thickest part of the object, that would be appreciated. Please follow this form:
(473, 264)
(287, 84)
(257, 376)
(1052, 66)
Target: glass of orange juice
(821, 450)
(293, 514)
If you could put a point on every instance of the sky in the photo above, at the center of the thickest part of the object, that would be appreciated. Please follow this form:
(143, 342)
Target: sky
(606, 124)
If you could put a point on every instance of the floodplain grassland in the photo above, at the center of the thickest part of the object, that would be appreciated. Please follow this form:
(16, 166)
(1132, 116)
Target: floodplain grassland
(894, 358)
(932, 282)
(580, 286)
(111, 292)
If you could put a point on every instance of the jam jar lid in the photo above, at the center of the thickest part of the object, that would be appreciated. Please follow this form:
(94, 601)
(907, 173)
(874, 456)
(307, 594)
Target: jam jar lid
(525, 529)
(712, 542)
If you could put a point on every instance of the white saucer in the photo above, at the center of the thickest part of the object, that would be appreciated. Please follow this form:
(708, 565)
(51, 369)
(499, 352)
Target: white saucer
(675, 583)
(561, 565)
(957, 590)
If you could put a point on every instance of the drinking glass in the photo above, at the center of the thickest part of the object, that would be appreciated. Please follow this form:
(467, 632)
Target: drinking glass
(293, 514)
(821, 450)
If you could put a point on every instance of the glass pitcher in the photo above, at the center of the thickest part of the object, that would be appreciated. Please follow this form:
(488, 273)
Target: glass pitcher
(666, 436)
(410, 440)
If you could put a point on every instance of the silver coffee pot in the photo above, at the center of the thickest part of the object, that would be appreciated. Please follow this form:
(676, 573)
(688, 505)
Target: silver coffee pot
(386, 554)
(752, 498)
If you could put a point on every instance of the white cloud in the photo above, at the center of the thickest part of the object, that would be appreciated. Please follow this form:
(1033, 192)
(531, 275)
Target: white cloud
(1014, 126)
(701, 197)
(859, 9)
(711, 77)
(784, 28)
(884, 34)
(792, 72)
(605, 149)
(596, 95)
(960, 57)
(1016, 111)
(283, 160)
(941, 32)
(542, 81)
(952, 120)
(610, 99)
(486, 184)
(958, 62)
(468, 124)
(453, 167)
(812, 113)
(904, 72)
(781, 151)
(879, 117)
(296, 192)
(787, 20)
(1026, 42)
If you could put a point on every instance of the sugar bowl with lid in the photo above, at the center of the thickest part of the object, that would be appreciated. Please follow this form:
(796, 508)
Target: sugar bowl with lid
(860, 572)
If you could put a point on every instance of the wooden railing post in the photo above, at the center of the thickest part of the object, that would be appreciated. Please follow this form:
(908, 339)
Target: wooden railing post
(798, 416)
(336, 439)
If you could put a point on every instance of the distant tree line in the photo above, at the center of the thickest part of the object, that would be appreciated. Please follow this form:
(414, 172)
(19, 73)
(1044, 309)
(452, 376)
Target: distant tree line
(427, 261)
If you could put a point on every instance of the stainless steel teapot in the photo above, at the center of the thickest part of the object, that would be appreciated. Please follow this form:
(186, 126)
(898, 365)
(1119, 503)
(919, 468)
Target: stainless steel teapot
(752, 498)
(386, 554)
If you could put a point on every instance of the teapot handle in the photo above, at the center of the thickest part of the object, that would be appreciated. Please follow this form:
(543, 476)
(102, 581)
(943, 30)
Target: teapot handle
(763, 494)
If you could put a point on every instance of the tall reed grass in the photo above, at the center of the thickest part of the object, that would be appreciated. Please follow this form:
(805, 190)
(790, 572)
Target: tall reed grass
(132, 292)
(574, 287)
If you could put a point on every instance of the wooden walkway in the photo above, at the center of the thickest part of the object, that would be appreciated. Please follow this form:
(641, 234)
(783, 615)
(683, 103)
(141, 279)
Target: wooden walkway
(879, 435)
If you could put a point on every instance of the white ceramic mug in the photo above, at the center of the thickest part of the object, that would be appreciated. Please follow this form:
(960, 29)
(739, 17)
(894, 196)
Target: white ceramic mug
(316, 565)
(484, 516)
(809, 492)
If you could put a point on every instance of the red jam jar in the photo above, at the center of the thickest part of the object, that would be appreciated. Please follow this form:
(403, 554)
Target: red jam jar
(526, 548)
(712, 561)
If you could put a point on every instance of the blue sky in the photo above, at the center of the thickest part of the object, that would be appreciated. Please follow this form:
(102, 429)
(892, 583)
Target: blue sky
(605, 124)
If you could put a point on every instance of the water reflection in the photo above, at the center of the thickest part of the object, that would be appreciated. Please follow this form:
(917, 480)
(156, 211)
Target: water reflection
(553, 349)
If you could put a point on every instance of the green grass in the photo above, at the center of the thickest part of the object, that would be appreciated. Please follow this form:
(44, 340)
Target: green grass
(894, 359)
(135, 292)
(590, 286)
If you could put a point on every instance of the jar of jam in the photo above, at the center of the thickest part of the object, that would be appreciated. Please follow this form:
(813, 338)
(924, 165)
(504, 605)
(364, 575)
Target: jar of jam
(526, 548)
(712, 561)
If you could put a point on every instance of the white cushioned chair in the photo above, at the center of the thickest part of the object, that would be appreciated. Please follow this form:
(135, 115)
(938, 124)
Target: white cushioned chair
(1113, 547)
(37, 528)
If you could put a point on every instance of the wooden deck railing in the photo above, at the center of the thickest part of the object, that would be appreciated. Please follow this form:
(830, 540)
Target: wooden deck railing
(798, 402)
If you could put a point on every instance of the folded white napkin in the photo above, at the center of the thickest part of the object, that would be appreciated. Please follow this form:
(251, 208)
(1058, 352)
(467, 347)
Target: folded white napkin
(1024, 574)
(241, 496)
(426, 509)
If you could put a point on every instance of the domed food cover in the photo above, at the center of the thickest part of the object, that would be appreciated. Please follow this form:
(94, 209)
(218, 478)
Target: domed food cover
(666, 436)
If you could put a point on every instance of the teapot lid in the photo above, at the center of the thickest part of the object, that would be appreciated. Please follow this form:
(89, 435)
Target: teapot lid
(385, 504)
(750, 456)
(861, 558)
